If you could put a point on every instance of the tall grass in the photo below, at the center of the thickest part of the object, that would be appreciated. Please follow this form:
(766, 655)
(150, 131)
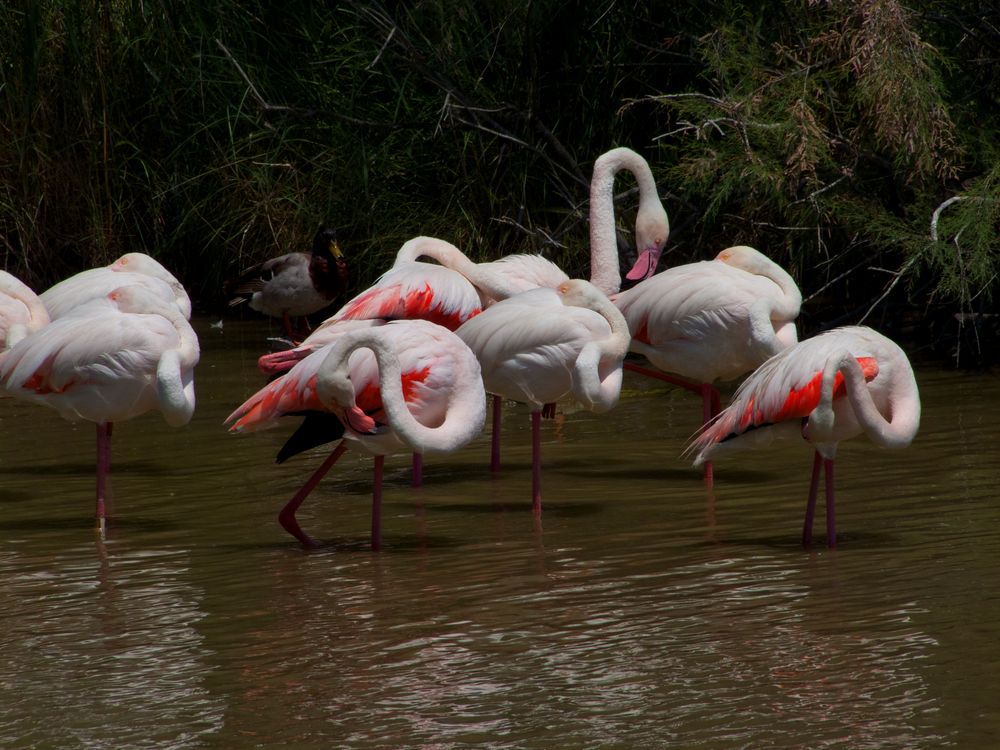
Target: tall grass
(214, 135)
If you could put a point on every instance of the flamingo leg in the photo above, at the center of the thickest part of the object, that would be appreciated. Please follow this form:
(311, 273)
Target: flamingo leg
(377, 503)
(807, 526)
(495, 443)
(103, 471)
(287, 515)
(710, 401)
(417, 478)
(831, 521)
(709, 408)
(649, 372)
(287, 322)
(536, 462)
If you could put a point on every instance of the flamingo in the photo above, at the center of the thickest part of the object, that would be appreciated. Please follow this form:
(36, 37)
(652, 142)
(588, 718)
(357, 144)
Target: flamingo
(405, 385)
(711, 320)
(652, 228)
(825, 389)
(129, 270)
(106, 361)
(545, 344)
(21, 311)
(296, 284)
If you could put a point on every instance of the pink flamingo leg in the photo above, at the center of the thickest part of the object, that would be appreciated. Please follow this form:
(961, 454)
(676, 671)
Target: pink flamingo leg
(649, 372)
(831, 521)
(103, 470)
(417, 480)
(536, 462)
(709, 408)
(377, 503)
(495, 443)
(807, 526)
(287, 322)
(287, 515)
(710, 401)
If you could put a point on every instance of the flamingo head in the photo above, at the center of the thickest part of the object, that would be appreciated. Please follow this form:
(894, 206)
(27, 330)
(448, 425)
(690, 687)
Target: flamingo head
(580, 293)
(652, 228)
(132, 298)
(743, 257)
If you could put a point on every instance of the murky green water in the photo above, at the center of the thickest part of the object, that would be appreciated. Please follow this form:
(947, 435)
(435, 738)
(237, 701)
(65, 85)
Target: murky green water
(639, 614)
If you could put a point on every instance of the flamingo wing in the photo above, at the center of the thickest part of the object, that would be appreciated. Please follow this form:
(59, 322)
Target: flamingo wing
(525, 271)
(101, 367)
(326, 333)
(787, 387)
(527, 345)
(66, 297)
(414, 290)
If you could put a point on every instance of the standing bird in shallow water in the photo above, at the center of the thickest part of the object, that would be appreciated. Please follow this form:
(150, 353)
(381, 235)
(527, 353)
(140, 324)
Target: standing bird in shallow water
(828, 388)
(109, 360)
(296, 284)
(711, 320)
(21, 311)
(546, 344)
(407, 385)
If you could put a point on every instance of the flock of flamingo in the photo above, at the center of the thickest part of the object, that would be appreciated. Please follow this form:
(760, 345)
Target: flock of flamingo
(409, 364)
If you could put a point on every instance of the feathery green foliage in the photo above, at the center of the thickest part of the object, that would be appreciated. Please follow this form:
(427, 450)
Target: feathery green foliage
(214, 135)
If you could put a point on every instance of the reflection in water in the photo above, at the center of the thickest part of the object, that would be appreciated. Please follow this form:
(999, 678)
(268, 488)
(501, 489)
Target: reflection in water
(101, 644)
(722, 652)
(638, 614)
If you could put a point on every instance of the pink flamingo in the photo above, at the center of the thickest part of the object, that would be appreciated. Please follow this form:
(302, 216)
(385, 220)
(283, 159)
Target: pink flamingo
(21, 311)
(109, 360)
(712, 320)
(294, 285)
(652, 228)
(546, 344)
(828, 388)
(129, 270)
(407, 385)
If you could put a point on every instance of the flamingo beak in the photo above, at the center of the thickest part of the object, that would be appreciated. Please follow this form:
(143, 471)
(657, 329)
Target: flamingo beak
(645, 265)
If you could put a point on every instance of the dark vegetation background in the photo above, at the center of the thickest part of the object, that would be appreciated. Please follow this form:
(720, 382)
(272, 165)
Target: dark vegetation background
(855, 142)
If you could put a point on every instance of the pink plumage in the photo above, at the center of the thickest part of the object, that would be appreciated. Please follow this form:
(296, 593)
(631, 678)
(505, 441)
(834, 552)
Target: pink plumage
(108, 360)
(832, 387)
(408, 385)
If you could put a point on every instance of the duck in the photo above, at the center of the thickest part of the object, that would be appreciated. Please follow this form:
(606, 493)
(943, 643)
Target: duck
(296, 284)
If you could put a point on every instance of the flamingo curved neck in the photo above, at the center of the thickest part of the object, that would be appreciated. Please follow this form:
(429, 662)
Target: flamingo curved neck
(466, 408)
(790, 293)
(604, 269)
(451, 257)
(38, 315)
(598, 367)
(899, 429)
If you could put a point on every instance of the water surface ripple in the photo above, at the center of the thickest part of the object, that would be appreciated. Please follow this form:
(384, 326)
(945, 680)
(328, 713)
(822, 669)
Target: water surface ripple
(640, 611)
